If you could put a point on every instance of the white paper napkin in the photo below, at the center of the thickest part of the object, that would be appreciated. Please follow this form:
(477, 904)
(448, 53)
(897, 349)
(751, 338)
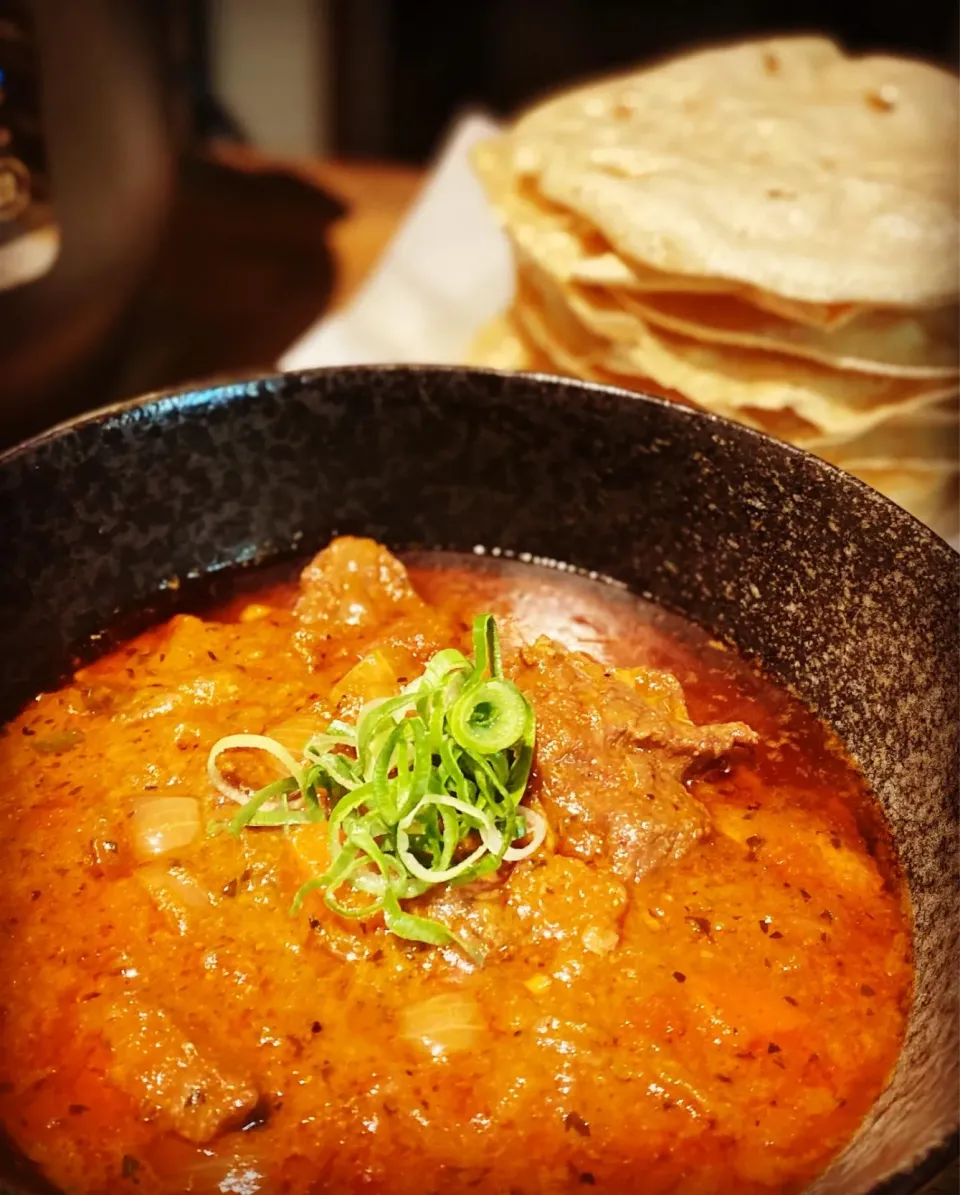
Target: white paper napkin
(446, 272)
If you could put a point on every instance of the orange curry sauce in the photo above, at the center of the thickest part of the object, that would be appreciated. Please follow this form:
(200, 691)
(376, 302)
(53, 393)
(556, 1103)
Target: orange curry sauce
(720, 1024)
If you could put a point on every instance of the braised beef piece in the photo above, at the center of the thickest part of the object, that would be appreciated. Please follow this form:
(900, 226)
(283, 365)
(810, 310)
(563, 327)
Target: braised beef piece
(353, 583)
(612, 750)
(355, 589)
(181, 1085)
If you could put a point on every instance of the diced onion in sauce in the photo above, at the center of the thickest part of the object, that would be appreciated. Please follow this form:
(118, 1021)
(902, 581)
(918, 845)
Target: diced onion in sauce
(164, 824)
(450, 1023)
(174, 890)
(294, 732)
(371, 678)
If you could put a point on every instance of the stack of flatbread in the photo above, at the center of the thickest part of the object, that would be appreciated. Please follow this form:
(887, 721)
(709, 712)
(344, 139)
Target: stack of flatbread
(767, 231)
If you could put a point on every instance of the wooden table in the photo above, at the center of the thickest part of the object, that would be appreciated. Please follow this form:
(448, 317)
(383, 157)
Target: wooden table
(257, 250)
(377, 199)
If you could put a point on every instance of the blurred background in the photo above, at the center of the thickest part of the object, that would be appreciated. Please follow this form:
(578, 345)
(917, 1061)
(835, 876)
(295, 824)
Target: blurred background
(382, 77)
(186, 185)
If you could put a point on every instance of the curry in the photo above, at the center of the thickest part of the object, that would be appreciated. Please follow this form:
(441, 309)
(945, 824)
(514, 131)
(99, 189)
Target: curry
(691, 976)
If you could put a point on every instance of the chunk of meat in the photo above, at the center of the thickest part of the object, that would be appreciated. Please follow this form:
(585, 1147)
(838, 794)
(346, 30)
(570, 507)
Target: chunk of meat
(352, 583)
(355, 589)
(169, 1077)
(612, 750)
(660, 718)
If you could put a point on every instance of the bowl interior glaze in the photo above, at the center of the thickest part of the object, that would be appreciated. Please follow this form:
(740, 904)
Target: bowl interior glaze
(835, 591)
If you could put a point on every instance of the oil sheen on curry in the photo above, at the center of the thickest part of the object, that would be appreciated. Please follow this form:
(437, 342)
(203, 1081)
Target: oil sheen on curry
(567, 897)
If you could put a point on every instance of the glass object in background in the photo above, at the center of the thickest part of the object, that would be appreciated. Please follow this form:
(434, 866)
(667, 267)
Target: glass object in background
(88, 119)
(29, 233)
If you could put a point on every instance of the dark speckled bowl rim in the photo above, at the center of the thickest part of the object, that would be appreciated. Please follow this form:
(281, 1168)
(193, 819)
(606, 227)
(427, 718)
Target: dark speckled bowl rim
(240, 381)
(235, 385)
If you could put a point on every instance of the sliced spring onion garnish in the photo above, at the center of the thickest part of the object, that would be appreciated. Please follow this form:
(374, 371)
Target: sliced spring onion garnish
(424, 789)
(489, 717)
(250, 742)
